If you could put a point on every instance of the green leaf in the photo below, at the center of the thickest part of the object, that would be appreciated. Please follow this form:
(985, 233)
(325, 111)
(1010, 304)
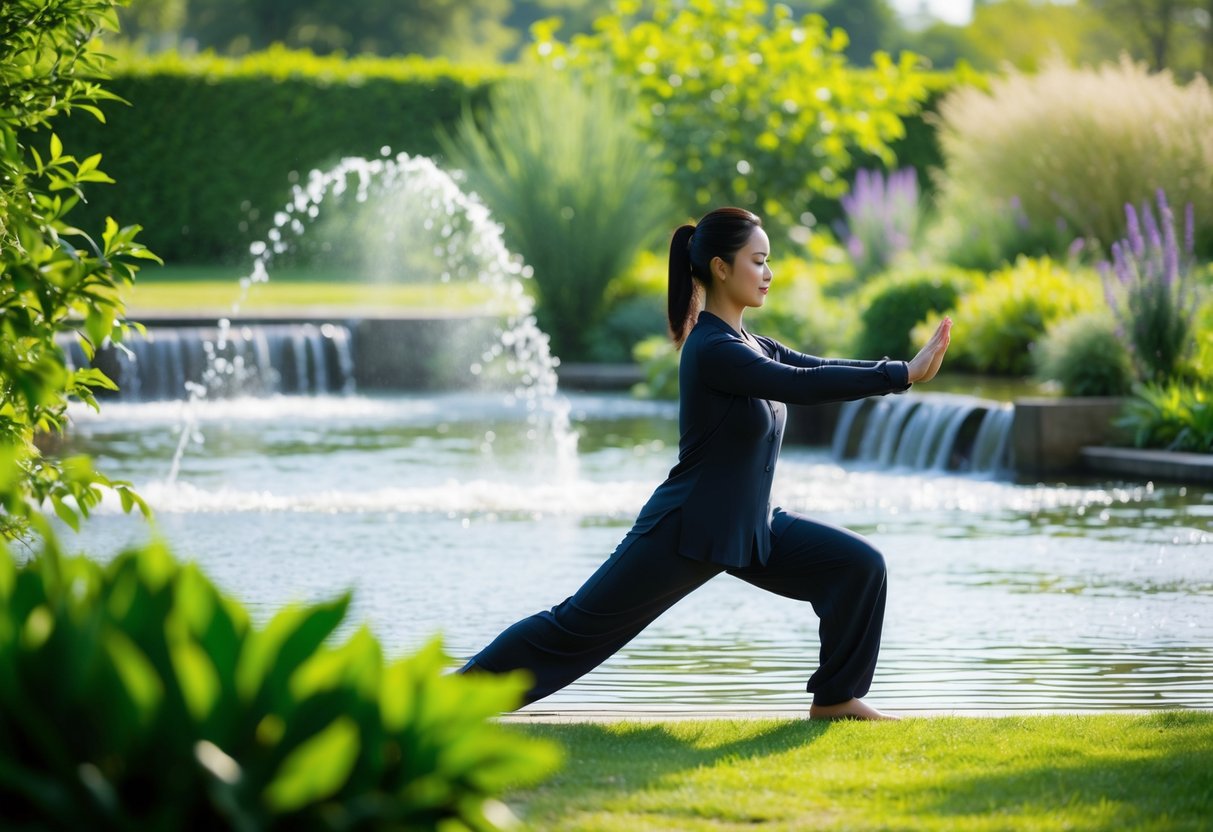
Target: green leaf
(196, 676)
(56, 147)
(317, 769)
(290, 638)
(136, 673)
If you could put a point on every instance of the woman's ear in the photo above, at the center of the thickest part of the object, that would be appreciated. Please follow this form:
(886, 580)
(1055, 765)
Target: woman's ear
(718, 268)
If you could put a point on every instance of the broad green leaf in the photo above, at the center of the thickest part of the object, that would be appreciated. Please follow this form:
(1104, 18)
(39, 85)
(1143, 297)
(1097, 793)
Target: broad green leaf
(196, 675)
(317, 769)
(135, 671)
(272, 655)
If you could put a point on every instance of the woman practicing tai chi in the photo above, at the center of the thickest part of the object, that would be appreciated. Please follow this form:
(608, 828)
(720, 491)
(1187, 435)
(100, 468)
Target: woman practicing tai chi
(713, 513)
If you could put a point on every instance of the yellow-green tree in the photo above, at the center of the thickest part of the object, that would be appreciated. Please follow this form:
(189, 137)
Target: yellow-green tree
(748, 104)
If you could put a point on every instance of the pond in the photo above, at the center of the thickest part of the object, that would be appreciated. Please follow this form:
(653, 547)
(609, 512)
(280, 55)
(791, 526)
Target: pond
(444, 516)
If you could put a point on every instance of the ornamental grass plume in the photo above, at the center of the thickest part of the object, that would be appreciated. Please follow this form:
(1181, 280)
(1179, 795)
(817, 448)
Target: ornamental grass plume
(1149, 287)
(881, 218)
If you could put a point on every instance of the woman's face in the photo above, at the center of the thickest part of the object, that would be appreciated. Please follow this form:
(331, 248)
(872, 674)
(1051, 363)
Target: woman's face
(745, 283)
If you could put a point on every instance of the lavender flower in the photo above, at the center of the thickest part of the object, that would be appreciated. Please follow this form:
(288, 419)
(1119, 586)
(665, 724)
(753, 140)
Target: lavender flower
(1148, 284)
(881, 218)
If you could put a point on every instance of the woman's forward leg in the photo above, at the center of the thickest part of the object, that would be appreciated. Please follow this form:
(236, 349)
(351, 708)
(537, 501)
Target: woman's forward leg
(843, 576)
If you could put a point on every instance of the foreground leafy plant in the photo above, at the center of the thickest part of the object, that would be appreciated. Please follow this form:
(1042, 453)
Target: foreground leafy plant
(137, 696)
(54, 278)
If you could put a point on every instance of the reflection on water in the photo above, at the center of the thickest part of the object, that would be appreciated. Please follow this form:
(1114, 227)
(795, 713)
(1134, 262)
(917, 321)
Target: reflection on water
(445, 516)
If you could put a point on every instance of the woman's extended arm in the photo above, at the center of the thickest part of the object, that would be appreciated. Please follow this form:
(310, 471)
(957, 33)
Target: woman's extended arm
(728, 365)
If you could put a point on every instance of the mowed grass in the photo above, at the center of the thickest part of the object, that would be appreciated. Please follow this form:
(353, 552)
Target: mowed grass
(215, 289)
(1106, 772)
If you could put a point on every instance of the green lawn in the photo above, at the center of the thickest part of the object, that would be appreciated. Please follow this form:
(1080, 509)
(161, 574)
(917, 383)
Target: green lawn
(1107, 772)
(213, 290)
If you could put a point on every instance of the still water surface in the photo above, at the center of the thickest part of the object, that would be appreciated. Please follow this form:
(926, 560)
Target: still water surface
(444, 516)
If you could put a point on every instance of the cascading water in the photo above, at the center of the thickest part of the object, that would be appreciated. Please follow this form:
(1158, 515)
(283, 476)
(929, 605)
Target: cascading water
(937, 432)
(407, 220)
(160, 363)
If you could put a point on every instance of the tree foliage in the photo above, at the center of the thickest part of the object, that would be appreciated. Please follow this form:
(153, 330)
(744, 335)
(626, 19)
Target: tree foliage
(54, 278)
(750, 105)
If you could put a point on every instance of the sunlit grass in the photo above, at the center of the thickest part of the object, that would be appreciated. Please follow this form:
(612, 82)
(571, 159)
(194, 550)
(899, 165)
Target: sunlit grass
(1150, 772)
(214, 289)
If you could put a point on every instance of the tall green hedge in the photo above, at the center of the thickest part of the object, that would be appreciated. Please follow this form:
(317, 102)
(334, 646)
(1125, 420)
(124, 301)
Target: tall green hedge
(205, 152)
(210, 143)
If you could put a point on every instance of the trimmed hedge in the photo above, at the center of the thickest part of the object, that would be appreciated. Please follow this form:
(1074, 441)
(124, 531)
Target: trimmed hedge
(207, 150)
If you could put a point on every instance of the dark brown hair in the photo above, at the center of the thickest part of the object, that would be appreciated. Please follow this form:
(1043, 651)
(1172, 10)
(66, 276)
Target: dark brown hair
(721, 233)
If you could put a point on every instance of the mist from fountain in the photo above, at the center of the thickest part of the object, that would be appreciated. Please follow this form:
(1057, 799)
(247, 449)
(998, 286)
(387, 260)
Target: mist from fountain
(402, 218)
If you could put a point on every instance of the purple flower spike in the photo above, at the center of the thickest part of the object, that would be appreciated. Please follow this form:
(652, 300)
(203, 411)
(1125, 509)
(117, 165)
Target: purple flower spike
(1147, 287)
(881, 217)
(1189, 230)
(1135, 239)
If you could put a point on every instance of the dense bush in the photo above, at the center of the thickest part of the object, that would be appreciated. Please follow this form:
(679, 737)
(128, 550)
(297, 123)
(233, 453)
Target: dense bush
(136, 696)
(1076, 145)
(998, 324)
(748, 105)
(1174, 416)
(1086, 355)
(800, 313)
(209, 145)
(561, 167)
(891, 306)
(57, 275)
(634, 308)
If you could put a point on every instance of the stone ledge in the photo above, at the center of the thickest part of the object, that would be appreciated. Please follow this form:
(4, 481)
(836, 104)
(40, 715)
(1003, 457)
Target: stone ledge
(1149, 464)
(598, 377)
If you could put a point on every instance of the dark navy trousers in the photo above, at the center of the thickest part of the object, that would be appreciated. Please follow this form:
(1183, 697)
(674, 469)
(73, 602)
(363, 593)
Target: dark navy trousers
(838, 572)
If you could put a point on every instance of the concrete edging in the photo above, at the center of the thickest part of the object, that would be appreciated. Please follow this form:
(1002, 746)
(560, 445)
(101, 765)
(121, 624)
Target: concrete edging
(1149, 464)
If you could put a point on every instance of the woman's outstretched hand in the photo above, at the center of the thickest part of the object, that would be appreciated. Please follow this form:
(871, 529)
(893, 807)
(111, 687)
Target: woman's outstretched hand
(925, 365)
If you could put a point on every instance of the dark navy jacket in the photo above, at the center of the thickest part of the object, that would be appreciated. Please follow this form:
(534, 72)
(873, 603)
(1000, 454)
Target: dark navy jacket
(731, 417)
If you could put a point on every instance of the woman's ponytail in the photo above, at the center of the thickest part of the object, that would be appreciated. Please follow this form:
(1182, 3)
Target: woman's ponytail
(682, 286)
(720, 233)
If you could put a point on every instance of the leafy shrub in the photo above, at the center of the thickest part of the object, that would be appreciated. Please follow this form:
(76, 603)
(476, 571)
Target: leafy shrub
(749, 106)
(54, 276)
(1077, 145)
(659, 358)
(210, 146)
(800, 313)
(881, 218)
(560, 166)
(1174, 416)
(624, 325)
(997, 325)
(1087, 356)
(136, 696)
(1149, 286)
(891, 306)
(978, 232)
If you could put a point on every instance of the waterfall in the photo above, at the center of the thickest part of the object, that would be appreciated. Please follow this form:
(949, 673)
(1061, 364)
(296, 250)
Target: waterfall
(239, 360)
(936, 432)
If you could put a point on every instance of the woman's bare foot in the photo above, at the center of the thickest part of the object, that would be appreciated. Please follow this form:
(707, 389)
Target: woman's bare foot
(851, 709)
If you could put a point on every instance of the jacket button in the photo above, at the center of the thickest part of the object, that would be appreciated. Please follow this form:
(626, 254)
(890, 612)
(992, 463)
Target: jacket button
(768, 469)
